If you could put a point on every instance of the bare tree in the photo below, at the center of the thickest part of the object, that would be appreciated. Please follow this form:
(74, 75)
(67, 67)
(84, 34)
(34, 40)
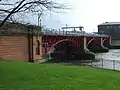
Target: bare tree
(9, 8)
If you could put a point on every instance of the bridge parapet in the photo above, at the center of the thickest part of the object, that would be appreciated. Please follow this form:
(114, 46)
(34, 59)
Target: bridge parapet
(71, 33)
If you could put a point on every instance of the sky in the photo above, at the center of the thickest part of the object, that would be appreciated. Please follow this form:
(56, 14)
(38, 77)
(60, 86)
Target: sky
(86, 13)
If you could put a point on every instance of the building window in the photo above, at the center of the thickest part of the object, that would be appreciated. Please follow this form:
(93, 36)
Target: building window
(38, 48)
(108, 26)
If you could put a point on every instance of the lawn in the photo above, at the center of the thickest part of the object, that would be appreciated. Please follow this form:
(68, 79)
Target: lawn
(31, 76)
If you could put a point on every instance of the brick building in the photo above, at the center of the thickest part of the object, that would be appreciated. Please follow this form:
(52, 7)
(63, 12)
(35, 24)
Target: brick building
(20, 42)
(110, 28)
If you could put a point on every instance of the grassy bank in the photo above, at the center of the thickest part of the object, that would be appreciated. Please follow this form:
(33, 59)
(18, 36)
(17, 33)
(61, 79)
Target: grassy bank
(29, 76)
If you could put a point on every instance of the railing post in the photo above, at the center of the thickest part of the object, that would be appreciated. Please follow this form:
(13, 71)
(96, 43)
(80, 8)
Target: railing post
(113, 64)
(59, 31)
(46, 31)
(69, 32)
(102, 63)
(91, 63)
(51, 31)
(63, 32)
(56, 31)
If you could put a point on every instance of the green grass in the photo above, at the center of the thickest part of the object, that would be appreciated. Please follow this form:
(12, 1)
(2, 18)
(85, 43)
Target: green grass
(29, 76)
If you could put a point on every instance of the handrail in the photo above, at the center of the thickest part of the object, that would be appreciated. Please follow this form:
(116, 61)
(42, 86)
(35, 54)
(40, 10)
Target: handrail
(71, 33)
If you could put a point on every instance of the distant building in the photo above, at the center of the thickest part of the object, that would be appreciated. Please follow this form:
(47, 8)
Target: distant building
(110, 28)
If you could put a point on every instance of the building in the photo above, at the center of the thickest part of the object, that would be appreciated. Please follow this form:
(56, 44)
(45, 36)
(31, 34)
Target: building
(20, 42)
(110, 28)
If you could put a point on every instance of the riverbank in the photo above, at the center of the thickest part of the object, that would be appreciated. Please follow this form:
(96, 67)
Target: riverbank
(31, 76)
(116, 47)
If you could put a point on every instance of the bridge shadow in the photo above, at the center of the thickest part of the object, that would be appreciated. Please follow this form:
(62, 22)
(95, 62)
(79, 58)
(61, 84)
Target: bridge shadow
(62, 51)
(70, 62)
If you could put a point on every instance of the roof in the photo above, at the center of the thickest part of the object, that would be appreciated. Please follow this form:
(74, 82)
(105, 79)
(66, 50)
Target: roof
(110, 23)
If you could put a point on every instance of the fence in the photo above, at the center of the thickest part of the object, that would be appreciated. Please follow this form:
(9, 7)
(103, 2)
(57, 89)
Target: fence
(106, 64)
(75, 33)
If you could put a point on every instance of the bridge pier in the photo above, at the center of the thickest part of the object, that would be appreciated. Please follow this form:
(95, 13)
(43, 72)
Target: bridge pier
(83, 53)
(107, 42)
(96, 45)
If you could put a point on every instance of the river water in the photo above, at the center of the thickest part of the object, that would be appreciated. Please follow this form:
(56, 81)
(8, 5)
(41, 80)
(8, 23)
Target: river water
(109, 60)
(113, 54)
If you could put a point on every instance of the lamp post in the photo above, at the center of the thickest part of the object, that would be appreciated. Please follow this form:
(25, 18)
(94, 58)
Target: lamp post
(39, 20)
(66, 29)
(39, 16)
(40, 25)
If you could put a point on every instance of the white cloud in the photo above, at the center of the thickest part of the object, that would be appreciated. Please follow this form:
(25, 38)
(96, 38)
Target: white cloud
(88, 13)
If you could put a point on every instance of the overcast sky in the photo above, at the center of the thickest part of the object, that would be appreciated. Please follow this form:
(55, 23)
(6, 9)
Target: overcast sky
(87, 13)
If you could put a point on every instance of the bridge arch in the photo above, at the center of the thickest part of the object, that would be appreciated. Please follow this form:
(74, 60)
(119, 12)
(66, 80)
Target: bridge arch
(103, 41)
(64, 40)
(106, 41)
(90, 41)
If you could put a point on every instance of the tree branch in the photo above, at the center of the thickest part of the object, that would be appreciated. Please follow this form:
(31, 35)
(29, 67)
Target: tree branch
(5, 10)
(22, 7)
(2, 23)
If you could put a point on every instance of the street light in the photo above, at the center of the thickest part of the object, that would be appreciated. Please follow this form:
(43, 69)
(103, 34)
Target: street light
(39, 21)
(66, 29)
(39, 15)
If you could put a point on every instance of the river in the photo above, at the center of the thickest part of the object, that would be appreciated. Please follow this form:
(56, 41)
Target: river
(113, 54)
(109, 60)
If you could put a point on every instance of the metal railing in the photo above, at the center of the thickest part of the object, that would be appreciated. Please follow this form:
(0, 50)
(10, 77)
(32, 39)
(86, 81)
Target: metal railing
(104, 64)
(71, 33)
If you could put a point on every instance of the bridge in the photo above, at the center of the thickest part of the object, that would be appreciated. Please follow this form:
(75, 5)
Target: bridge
(64, 44)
